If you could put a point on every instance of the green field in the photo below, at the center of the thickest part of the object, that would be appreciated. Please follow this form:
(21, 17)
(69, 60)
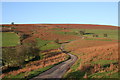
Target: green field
(9, 39)
(112, 34)
(46, 44)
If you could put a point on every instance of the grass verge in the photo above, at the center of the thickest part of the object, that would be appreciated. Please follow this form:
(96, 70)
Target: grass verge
(31, 74)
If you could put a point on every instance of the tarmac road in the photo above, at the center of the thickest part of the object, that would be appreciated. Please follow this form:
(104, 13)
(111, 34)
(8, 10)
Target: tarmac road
(59, 70)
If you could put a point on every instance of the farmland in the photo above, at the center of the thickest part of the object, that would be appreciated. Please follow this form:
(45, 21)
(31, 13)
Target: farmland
(38, 46)
(9, 39)
(112, 34)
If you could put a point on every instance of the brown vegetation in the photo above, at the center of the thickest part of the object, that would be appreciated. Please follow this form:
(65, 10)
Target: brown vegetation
(51, 60)
(96, 57)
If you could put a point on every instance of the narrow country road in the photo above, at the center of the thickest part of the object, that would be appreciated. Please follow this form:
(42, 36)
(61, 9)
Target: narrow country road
(59, 70)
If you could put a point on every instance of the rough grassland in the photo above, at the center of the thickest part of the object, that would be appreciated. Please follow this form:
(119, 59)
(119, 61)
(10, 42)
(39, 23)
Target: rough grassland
(9, 39)
(96, 59)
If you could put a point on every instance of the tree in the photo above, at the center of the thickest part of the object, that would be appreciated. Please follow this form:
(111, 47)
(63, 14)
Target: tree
(11, 58)
(16, 57)
(23, 36)
(105, 35)
(28, 50)
(82, 33)
(96, 35)
(12, 23)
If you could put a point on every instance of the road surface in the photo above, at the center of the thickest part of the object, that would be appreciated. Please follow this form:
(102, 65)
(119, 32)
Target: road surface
(59, 70)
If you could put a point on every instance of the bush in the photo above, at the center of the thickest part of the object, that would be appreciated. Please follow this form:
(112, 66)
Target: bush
(24, 36)
(105, 35)
(95, 35)
(82, 33)
(14, 57)
(11, 58)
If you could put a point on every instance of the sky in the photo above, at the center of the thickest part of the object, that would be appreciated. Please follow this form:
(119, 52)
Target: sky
(102, 13)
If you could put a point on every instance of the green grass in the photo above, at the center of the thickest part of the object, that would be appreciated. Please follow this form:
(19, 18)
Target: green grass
(37, 72)
(98, 39)
(114, 75)
(50, 46)
(29, 74)
(104, 75)
(9, 39)
(41, 42)
(112, 34)
(46, 45)
(103, 62)
(74, 73)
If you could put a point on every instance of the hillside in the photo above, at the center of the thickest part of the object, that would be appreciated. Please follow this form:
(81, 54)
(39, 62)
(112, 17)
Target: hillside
(96, 59)
(38, 46)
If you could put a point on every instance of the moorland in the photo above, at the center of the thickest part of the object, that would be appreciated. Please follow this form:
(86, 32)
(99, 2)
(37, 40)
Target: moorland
(31, 49)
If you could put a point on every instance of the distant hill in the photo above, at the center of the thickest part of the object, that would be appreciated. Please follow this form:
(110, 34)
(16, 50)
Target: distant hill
(77, 26)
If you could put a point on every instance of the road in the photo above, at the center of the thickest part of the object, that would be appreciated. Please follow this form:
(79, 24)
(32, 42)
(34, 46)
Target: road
(59, 70)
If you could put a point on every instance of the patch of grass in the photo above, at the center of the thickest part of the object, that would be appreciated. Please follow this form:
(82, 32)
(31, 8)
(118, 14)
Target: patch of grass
(76, 74)
(112, 34)
(103, 62)
(114, 75)
(104, 75)
(29, 75)
(98, 39)
(77, 64)
(37, 72)
(50, 46)
(9, 39)
(47, 44)
(73, 72)
(41, 42)
(21, 75)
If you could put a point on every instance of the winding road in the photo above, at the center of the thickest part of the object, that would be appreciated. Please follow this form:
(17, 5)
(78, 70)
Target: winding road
(59, 70)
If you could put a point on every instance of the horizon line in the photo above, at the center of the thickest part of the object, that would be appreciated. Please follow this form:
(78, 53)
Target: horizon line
(56, 23)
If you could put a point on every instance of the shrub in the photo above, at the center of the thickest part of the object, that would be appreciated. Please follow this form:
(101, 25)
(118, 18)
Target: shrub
(95, 35)
(24, 36)
(14, 57)
(105, 35)
(82, 33)
(6, 56)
